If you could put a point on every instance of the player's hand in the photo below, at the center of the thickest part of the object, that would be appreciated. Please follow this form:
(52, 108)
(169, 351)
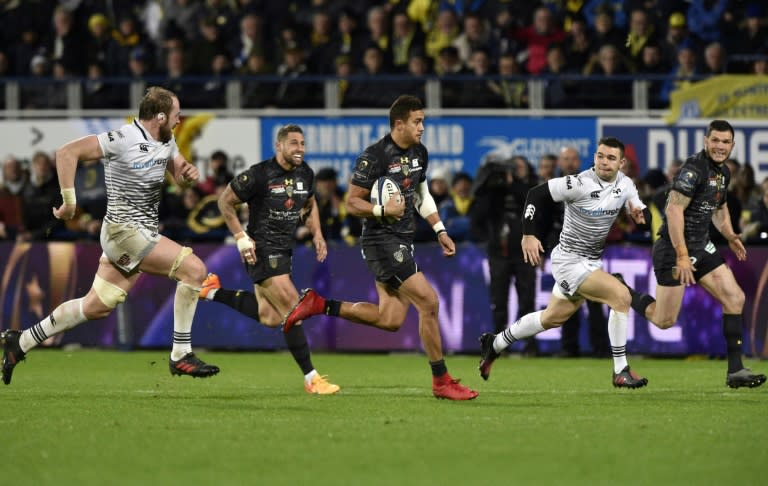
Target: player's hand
(683, 270)
(189, 174)
(449, 247)
(247, 248)
(737, 247)
(395, 207)
(636, 213)
(65, 211)
(532, 250)
(321, 249)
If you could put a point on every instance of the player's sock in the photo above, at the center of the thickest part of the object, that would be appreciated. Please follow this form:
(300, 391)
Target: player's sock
(297, 344)
(184, 305)
(438, 367)
(332, 307)
(640, 301)
(732, 330)
(242, 301)
(308, 377)
(617, 334)
(66, 316)
(527, 326)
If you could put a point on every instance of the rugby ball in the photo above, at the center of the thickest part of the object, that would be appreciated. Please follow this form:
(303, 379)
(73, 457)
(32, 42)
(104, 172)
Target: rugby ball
(382, 191)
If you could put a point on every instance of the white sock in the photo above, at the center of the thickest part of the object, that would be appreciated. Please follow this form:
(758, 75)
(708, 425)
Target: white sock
(211, 293)
(527, 326)
(617, 333)
(308, 377)
(66, 316)
(184, 305)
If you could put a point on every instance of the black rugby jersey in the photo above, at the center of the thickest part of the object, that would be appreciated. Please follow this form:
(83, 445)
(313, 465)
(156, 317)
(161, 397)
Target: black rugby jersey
(706, 183)
(408, 168)
(275, 197)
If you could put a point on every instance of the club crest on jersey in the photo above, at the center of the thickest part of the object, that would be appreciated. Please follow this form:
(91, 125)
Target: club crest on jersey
(530, 210)
(616, 193)
(143, 147)
(594, 194)
(398, 256)
(405, 165)
(289, 187)
(273, 261)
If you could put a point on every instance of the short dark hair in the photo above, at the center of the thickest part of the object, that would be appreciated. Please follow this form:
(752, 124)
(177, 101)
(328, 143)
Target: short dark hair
(719, 126)
(612, 142)
(402, 108)
(286, 129)
(156, 100)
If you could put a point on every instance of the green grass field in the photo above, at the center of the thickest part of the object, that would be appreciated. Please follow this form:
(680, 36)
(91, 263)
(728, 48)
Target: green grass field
(98, 417)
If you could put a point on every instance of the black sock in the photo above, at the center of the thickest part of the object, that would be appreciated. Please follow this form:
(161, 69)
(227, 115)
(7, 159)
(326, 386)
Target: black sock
(242, 301)
(332, 307)
(640, 302)
(299, 348)
(438, 367)
(732, 330)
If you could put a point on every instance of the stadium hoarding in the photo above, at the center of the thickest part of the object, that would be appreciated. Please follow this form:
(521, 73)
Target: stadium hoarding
(653, 144)
(37, 277)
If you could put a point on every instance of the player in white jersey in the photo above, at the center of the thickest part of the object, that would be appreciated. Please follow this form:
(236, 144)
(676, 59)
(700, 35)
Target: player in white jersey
(592, 201)
(137, 156)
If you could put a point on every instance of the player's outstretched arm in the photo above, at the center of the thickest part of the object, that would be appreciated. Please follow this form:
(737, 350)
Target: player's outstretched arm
(228, 202)
(67, 157)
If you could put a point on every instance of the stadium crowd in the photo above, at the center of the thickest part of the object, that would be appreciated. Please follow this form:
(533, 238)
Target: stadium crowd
(480, 50)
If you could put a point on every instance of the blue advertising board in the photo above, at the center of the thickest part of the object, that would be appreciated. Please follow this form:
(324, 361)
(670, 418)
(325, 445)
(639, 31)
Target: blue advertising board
(454, 143)
(654, 144)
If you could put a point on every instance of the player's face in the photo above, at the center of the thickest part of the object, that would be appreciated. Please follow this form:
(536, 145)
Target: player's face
(167, 125)
(608, 161)
(719, 145)
(412, 129)
(292, 149)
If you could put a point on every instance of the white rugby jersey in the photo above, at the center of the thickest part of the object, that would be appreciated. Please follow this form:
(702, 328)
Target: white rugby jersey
(134, 170)
(591, 207)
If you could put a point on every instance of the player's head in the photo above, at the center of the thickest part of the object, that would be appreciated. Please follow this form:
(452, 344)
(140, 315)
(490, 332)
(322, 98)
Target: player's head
(719, 140)
(289, 147)
(406, 119)
(609, 158)
(160, 107)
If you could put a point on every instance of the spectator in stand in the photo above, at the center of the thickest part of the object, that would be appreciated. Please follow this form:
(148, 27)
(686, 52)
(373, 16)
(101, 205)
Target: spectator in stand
(213, 90)
(369, 91)
(350, 39)
(66, 42)
(454, 210)
(513, 93)
(185, 14)
(715, 60)
(744, 186)
(97, 93)
(406, 39)
(126, 37)
(607, 91)
(755, 224)
(615, 8)
(448, 67)
(39, 91)
(442, 33)
(558, 92)
(251, 38)
(685, 72)
(537, 38)
(605, 30)
(705, 19)
(138, 64)
(760, 65)
(208, 44)
(751, 39)
(481, 92)
(330, 207)
(28, 46)
(476, 35)
(641, 32)
(293, 92)
(577, 47)
(677, 35)
(99, 43)
(418, 69)
(39, 196)
(257, 93)
(322, 49)
(377, 23)
(176, 70)
(546, 169)
(224, 13)
(218, 174)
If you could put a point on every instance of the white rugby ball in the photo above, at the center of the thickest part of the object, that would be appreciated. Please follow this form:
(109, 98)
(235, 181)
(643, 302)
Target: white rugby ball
(383, 189)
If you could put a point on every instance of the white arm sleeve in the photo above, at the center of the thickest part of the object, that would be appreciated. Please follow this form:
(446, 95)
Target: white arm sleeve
(426, 203)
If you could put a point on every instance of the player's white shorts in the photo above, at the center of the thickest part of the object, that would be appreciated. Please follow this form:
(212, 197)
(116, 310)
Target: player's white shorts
(126, 244)
(570, 271)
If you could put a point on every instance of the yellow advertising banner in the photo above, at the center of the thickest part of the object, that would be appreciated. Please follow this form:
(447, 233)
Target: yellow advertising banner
(728, 96)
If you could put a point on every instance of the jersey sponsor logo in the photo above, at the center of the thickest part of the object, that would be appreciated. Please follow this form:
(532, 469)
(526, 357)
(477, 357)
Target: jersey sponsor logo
(143, 147)
(598, 211)
(568, 184)
(564, 285)
(111, 136)
(394, 168)
(416, 162)
(594, 194)
(300, 185)
(530, 210)
(150, 163)
(273, 261)
(124, 260)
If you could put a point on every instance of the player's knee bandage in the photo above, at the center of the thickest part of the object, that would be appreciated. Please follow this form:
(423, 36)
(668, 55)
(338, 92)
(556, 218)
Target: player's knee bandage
(184, 253)
(109, 294)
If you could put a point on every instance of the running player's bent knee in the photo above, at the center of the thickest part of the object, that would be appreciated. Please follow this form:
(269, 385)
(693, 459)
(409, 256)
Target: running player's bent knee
(109, 294)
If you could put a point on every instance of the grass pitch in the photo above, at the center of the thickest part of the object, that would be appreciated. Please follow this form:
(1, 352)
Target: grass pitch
(99, 417)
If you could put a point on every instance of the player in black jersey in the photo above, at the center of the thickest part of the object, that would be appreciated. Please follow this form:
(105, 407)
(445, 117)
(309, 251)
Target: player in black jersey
(388, 248)
(684, 254)
(279, 192)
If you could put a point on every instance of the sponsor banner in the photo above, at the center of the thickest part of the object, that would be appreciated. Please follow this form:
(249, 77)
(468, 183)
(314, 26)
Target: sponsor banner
(652, 144)
(38, 277)
(728, 96)
(454, 143)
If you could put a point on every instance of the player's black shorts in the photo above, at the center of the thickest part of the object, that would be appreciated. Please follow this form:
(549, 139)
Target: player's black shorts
(269, 264)
(665, 258)
(390, 263)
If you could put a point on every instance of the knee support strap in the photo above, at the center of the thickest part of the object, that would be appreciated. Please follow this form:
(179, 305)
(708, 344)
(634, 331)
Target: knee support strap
(184, 253)
(109, 294)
